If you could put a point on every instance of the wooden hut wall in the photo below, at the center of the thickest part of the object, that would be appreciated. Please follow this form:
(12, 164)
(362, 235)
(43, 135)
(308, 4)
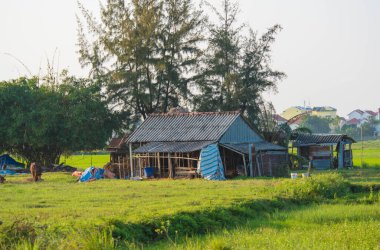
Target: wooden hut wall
(120, 165)
(168, 165)
(322, 155)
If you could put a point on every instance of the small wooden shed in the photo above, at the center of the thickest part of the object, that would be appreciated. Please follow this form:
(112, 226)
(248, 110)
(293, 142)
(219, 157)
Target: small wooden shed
(325, 149)
(172, 144)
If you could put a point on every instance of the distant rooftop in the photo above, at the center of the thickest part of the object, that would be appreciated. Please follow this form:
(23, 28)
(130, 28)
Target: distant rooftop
(325, 108)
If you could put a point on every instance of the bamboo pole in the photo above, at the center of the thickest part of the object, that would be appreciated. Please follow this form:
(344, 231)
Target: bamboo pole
(131, 159)
(188, 161)
(159, 164)
(170, 166)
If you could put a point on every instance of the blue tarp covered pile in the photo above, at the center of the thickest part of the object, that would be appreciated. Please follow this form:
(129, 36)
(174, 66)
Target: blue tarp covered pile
(7, 172)
(11, 163)
(92, 173)
(210, 164)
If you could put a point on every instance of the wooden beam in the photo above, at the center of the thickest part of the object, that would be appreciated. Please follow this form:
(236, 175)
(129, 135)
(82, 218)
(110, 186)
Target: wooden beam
(131, 159)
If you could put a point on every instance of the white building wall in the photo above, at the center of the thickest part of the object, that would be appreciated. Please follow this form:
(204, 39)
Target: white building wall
(355, 115)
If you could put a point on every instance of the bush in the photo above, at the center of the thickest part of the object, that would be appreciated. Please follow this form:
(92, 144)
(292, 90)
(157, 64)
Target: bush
(328, 185)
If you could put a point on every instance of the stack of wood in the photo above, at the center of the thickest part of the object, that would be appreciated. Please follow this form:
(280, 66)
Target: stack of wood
(120, 170)
(186, 172)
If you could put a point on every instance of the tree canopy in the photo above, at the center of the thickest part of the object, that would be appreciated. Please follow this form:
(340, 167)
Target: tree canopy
(154, 55)
(317, 125)
(150, 49)
(236, 66)
(40, 122)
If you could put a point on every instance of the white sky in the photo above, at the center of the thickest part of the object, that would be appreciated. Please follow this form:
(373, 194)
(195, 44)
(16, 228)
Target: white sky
(329, 49)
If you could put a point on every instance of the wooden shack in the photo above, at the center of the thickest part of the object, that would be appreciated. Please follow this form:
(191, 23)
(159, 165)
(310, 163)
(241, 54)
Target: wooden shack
(119, 157)
(326, 150)
(172, 144)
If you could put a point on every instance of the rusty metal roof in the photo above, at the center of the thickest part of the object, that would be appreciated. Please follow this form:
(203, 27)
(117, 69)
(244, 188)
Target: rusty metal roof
(318, 139)
(117, 143)
(188, 127)
(172, 147)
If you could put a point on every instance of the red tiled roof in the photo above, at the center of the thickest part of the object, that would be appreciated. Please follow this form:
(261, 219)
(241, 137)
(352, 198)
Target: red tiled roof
(353, 121)
(279, 118)
(358, 111)
(371, 112)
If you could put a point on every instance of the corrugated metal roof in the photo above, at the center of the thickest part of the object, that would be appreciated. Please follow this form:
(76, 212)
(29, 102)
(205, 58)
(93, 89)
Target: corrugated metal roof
(172, 147)
(117, 143)
(259, 146)
(314, 139)
(183, 127)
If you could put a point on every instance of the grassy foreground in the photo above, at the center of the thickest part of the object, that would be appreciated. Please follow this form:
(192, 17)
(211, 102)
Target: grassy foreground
(331, 226)
(62, 214)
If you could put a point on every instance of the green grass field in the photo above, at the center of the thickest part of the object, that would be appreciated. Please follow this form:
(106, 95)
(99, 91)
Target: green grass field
(332, 210)
(62, 214)
(371, 153)
(316, 227)
(83, 161)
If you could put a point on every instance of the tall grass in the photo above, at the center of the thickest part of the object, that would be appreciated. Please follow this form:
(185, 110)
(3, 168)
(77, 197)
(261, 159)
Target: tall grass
(329, 226)
(144, 212)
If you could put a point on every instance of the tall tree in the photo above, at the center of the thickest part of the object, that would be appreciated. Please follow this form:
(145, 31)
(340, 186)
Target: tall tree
(150, 48)
(316, 124)
(40, 122)
(219, 74)
(237, 68)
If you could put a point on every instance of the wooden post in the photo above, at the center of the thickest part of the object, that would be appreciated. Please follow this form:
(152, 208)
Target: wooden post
(131, 158)
(120, 168)
(250, 148)
(262, 162)
(159, 164)
(170, 166)
(119, 163)
(258, 165)
(270, 165)
(224, 160)
(341, 155)
(245, 166)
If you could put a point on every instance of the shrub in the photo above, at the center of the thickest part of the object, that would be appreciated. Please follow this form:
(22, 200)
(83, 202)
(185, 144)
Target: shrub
(328, 185)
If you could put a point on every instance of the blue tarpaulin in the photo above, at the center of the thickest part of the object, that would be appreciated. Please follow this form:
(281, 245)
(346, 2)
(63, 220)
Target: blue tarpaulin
(5, 159)
(92, 173)
(7, 172)
(210, 164)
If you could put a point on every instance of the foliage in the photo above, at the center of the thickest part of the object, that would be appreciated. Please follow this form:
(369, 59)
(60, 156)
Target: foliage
(366, 130)
(317, 125)
(236, 68)
(319, 186)
(42, 121)
(144, 52)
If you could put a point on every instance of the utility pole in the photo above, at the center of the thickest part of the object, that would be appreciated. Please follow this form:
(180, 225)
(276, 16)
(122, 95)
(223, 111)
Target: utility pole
(361, 135)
